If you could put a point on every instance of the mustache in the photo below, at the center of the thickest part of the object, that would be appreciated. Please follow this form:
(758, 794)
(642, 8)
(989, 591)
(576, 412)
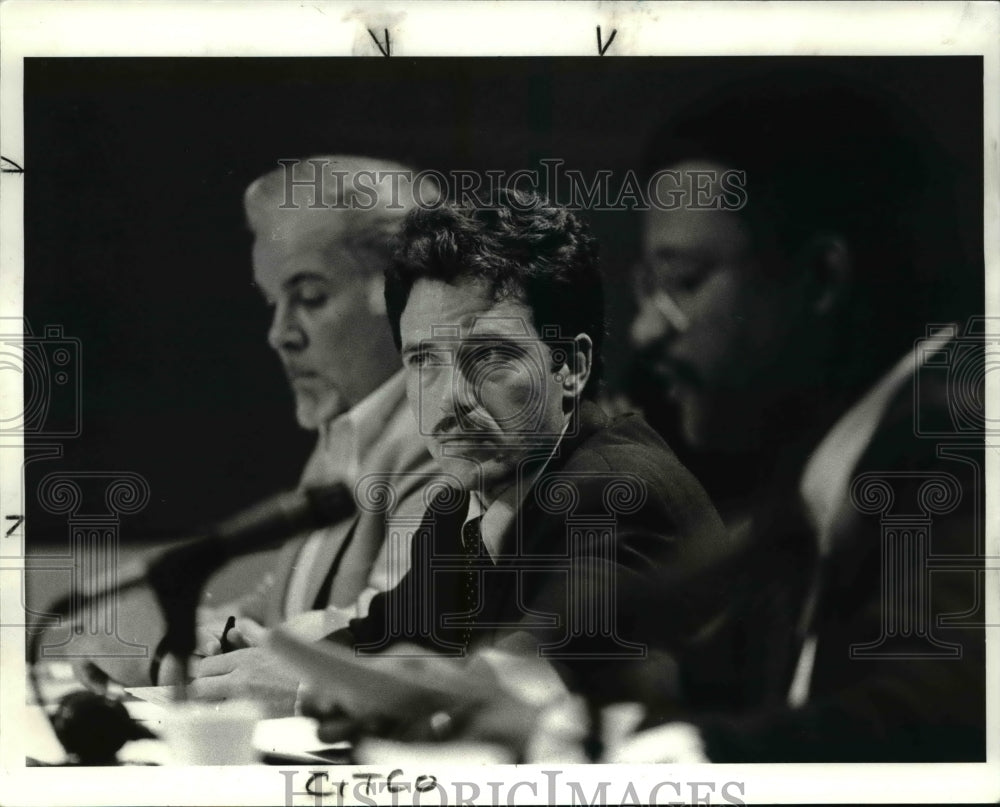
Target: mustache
(293, 371)
(447, 424)
(467, 425)
(656, 363)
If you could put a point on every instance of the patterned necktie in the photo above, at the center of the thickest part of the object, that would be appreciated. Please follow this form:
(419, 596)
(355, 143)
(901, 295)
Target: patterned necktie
(473, 549)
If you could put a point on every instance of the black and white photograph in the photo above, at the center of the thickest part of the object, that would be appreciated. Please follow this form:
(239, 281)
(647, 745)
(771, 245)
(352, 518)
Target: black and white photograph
(433, 416)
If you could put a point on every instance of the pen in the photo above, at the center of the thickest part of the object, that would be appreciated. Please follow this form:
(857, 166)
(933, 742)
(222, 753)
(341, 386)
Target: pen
(224, 639)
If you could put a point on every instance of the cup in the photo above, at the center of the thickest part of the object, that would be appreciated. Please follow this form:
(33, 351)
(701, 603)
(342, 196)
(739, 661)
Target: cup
(200, 733)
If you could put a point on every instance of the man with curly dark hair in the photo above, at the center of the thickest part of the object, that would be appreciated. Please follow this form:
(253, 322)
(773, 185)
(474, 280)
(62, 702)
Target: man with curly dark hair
(556, 521)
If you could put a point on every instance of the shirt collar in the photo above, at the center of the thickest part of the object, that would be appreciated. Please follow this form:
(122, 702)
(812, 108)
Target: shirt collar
(501, 514)
(346, 443)
(368, 418)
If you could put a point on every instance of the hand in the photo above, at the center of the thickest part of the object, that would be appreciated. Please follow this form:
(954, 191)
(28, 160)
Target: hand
(247, 671)
(209, 643)
(250, 672)
(506, 721)
(90, 675)
(678, 743)
(247, 633)
(400, 711)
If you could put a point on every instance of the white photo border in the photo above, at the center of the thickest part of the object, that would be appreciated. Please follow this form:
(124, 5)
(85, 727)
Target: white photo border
(323, 29)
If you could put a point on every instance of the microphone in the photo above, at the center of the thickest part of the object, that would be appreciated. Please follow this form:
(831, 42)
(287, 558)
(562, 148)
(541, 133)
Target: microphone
(275, 519)
(264, 525)
(178, 574)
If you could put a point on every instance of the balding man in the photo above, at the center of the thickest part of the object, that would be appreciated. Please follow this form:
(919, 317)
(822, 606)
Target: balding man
(322, 230)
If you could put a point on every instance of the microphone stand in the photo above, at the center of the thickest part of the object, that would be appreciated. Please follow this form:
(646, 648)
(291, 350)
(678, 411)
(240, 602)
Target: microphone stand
(178, 575)
(177, 578)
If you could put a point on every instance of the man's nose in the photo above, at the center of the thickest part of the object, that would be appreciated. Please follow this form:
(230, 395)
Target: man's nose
(456, 394)
(659, 317)
(286, 332)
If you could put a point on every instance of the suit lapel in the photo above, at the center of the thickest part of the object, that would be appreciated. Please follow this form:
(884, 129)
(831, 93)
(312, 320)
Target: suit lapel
(284, 567)
(532, 523)
(533, 530)
(350, 549)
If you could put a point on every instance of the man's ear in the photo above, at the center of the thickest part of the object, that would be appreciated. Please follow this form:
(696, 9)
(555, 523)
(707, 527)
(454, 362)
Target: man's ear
(574, 378)
(829, 266)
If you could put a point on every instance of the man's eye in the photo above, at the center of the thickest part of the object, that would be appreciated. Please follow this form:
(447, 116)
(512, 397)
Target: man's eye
(311, 299)
(429, 358)
(682, 274)
(424, 359)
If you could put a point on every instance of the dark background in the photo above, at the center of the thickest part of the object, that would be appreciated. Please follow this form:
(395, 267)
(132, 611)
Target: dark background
(135, 242)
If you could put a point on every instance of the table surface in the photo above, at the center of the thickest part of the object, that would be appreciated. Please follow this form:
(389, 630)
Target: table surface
(286, 738)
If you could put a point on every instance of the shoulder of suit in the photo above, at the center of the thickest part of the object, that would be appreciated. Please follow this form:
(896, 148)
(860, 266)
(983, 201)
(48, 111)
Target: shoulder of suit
(627, 445)
(622, 441)
(914, 409)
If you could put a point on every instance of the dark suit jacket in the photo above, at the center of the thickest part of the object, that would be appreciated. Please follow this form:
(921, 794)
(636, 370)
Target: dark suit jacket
(869, 707)
(610, 511)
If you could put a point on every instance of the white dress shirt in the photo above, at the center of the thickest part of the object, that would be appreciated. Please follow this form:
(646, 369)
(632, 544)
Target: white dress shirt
(343, 453)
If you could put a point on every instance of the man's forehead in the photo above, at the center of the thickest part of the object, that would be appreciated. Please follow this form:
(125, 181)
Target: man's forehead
(677, 176)
(694, 232)
(483, 327)
(682, 226)
(438, 310)
(276, 263)
(302, 226)
(693, 205)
